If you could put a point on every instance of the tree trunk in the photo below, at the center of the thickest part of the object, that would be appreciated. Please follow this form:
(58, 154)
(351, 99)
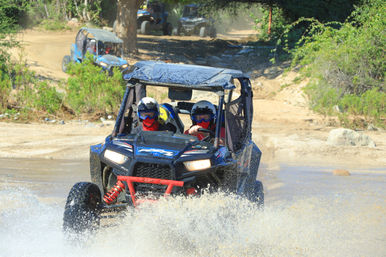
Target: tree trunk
(125, 24)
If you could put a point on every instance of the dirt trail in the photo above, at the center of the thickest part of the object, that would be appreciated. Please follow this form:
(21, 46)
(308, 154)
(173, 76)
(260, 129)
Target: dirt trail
(285, 129)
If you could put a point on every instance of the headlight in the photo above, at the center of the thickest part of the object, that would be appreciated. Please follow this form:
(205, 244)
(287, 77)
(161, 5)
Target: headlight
(197, 165)
(103, 64)
(115, 157)
(124, 66)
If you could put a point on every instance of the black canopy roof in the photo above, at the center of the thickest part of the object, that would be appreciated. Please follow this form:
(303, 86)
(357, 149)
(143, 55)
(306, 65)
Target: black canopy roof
(184, 75)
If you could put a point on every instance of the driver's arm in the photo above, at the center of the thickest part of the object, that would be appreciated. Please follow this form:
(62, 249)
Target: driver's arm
(193, 130)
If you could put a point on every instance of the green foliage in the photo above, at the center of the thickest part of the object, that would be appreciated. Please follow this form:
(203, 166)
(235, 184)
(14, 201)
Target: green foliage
(8, 11)
(33, 95)
(31, 13)
(54, 25)
(91, 90)
(25, 93)
(346, 62)
(279, 23)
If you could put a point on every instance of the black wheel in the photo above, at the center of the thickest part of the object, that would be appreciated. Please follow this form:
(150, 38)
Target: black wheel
(203, 31)
(66, 60)
(145, 27)
(212, 32)
(167, 29)
(81, 212)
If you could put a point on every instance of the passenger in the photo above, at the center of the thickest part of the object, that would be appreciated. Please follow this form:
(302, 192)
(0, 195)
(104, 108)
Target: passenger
(148, 114)
(203, 115)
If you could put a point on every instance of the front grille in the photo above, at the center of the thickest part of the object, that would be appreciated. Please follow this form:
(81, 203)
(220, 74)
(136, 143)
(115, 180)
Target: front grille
(151, 170)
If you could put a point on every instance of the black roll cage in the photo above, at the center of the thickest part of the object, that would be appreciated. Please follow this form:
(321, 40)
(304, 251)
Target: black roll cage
(135, 91)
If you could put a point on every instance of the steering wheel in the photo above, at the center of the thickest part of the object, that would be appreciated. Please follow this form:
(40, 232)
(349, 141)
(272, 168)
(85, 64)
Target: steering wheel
(210, 132)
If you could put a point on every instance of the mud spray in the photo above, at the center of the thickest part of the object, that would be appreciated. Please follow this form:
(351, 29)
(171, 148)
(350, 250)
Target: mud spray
(348, 223)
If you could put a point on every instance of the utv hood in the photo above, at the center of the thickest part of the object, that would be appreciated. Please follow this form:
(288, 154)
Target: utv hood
(111, 60)
(163, 145)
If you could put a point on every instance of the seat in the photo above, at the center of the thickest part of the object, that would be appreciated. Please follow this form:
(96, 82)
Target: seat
(173, 118)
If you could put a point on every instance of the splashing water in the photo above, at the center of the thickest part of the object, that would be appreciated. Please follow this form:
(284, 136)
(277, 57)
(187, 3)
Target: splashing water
(213, 225)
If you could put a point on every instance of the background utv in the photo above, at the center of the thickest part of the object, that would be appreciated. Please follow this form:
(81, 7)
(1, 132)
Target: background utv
(105, 47)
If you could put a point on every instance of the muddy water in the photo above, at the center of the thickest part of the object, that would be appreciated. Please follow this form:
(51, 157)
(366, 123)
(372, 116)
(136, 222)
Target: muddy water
(308, 212)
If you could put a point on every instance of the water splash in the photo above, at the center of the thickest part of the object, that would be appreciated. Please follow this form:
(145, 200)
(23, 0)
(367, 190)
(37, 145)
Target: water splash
(213, 225)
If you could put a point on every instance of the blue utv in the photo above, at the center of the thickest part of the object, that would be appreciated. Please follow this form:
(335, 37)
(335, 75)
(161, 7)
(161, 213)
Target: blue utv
(130, 168)
(153, 17)
(193, 23)
(105, 47)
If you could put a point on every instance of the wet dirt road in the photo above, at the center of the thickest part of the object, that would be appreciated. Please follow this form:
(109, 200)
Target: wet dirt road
(308, 212)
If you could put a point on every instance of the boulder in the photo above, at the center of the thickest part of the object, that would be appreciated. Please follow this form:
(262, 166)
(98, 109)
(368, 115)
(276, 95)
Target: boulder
(348, 137)
(341, 172)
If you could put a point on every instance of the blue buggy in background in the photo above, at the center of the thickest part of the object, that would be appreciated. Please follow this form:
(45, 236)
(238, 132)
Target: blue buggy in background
(193, 22)
(104, 45)
(153, 16)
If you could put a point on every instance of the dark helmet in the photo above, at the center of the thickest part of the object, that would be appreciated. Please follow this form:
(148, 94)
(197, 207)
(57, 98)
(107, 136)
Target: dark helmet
(203, 107)
(147, 104)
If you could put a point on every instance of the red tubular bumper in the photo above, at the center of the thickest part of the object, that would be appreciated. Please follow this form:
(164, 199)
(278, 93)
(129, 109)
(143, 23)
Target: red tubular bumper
(130, 180)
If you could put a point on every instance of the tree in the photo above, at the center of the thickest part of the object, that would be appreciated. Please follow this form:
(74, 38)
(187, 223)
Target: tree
(125, 24)
(322, 10)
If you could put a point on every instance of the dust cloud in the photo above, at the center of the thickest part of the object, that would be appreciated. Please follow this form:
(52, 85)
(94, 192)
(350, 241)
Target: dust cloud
(243, 18)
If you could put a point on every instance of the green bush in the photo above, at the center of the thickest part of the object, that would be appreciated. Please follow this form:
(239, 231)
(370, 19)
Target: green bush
(32, 96)
(346, 62)
(54, 25)
(278, 25)
(90, 89)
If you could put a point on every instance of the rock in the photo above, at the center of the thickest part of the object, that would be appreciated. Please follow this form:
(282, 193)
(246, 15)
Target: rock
(342, 136)
(371, 127)
(341, 172)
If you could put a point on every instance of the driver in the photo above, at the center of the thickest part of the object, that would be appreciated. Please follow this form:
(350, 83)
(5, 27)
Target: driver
(148, 114)
(203, 115)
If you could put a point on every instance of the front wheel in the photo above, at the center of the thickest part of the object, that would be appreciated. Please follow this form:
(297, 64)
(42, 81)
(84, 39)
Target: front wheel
(168, 28)
(66, 60)
(81, 212)
(212, 32)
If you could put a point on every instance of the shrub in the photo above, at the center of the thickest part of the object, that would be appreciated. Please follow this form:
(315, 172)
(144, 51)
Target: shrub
(30, 95)
(91, 90)
(53, 25)
(346, 62)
